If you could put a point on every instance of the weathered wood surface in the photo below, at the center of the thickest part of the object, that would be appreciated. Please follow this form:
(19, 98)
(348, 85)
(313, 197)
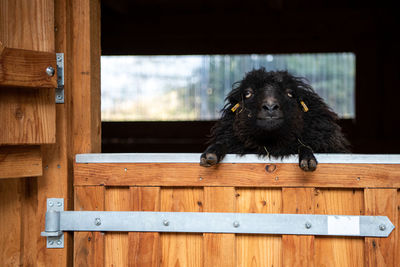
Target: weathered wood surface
(31, 117)
(219, 249)
(89, 246)
(298, 250)
(27, 116)
(245, 175)
(335, 189)
(20, 161)
(144, 248)
(26, 68)
(181, 249)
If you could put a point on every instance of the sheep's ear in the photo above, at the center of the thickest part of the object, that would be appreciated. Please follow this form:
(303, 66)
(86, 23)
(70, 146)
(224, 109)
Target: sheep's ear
(235, 96)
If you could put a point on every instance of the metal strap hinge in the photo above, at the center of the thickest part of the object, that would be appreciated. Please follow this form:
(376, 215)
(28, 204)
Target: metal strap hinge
(58, 221)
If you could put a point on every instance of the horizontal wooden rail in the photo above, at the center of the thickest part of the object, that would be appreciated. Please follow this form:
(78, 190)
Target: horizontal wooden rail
(335, 175)
(20, 161)
(26, 68)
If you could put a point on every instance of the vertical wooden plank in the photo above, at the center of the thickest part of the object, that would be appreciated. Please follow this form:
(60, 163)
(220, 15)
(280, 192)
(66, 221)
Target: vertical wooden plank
(298, 250)
(339, 251)
(85, 70)
(381, 251)
(116, 243)
(182, 249)
(259, 250)
(219, 249)
(89, 246)
(10, 211)
(144, 248)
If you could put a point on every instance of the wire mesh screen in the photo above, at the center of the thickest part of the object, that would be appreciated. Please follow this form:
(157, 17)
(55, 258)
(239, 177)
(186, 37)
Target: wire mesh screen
(171, 88)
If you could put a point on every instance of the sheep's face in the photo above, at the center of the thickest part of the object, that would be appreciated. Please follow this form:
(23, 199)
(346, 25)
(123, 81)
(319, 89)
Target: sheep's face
(269, 108)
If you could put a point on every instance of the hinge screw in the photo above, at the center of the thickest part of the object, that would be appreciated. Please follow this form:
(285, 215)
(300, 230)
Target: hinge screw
(59, 242)
(308, 225)
(59, 204)
(97, 221)
(51, 204)
(382, 227)
(50, 71)
(236, 224)
(51, 242)
(166, 222)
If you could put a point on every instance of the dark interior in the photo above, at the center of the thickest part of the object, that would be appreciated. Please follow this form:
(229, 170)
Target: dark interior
(175, 27)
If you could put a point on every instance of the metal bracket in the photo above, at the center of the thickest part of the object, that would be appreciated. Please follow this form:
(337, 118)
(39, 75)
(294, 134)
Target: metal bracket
(60, 79)
(55, 237)
(58, 221)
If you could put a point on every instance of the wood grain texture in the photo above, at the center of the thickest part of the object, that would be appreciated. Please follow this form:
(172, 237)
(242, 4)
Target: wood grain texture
(259, 250)
(28, 116)
(26, 68)
(237, 175)
(89, 246)
(144, 248)
(85, 85)
(116, 243)
(381, 251)
(219, 249)
(298, 250)
(20, 161)
(339, 251)
(10, 234)
(182, 249)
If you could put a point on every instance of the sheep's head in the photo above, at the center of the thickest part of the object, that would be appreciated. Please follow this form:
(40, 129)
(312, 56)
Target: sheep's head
(268, 103)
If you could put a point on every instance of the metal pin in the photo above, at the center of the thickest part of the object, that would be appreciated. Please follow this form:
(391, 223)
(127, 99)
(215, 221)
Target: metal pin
(50, 71)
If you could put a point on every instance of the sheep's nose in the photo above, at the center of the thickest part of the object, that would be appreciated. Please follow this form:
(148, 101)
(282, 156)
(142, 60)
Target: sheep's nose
(270, 106)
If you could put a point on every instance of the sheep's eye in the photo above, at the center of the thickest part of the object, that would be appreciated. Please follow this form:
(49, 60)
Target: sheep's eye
(289, 93)
(248, 94)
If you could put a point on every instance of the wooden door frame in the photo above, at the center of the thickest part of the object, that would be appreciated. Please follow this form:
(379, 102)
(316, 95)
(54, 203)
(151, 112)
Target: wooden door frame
(71, 27)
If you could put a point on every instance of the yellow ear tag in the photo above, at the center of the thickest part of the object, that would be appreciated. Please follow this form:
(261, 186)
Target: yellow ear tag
(305, 108)
(235, 107)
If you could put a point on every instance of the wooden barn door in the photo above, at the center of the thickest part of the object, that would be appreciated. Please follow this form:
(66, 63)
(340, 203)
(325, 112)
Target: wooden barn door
(38, 137)
(334, 189)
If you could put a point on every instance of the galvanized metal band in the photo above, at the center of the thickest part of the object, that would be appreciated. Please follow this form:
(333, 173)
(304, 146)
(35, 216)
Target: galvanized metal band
(242, 223)
(231, 158)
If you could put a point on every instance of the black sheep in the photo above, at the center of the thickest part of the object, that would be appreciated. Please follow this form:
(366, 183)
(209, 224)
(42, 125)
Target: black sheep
(275, 114)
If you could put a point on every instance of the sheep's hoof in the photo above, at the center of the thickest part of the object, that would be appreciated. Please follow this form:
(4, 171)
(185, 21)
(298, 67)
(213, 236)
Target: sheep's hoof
(308, 165)
(208, 159)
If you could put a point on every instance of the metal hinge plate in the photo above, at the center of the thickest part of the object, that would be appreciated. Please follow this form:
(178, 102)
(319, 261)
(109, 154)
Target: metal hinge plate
(55, 237)
(60, 79)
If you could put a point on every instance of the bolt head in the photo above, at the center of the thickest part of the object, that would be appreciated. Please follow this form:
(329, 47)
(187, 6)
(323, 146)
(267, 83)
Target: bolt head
(51, 204)
(97, 221)
(59, 204)
(51, 242)
(382, 227)
(308, 225)
(50, 71)
(236, 224)
(59, 242)
(166, 222)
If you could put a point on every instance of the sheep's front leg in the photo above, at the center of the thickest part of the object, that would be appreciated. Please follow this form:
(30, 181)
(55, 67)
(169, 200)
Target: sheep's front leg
(307, 160)
(213, 155)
